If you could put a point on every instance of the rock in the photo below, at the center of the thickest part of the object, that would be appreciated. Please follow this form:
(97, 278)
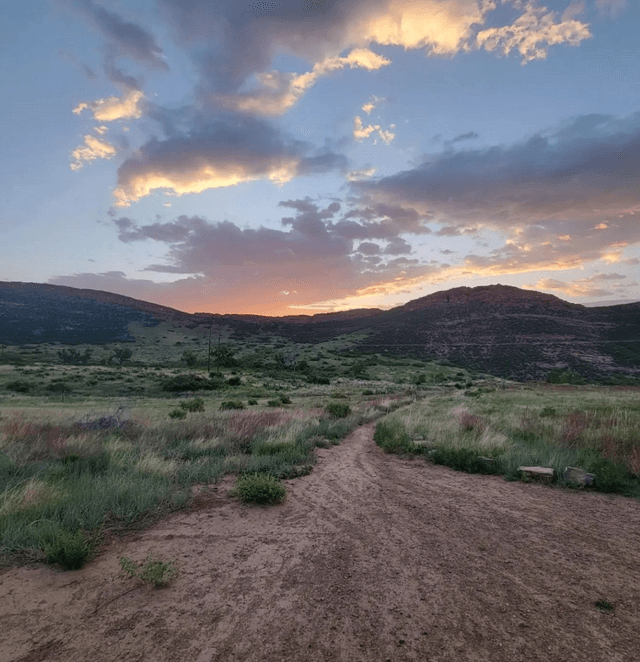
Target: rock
(578, 476)
(544, 474)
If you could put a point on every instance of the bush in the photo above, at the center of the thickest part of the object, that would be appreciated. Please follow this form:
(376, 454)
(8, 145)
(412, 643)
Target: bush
(465, 459)
(274, 403)
(234, 381)
(69, 550)
(252, 401)
(259, 488)
(149, 571)
(18, 386)
(338, 409)
(177, 413)
(231, 404)
(318, 379)
(394, 438)
(197, 404)
(285, 399)
(189, 383)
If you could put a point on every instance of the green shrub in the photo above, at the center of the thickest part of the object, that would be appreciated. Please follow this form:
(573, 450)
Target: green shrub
(274, 403)
(189, 382)
(285, 399)
(367, 392)
(234, 381)
(465, 459)
(177, 413)
(252, 401)
(318, 379)
(393, 437)
(259, 488)
(197, 404)
(18, 386)
(338, 409)
(149, 571)
(70, 550)
(231, 404)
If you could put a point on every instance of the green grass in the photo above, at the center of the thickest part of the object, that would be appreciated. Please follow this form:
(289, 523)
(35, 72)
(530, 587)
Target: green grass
(260, 488)
(594, 428)
(150, 571)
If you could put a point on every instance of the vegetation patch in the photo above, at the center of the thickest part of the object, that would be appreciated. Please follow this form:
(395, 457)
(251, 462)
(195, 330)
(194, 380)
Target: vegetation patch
(259, 488)
(150, 571)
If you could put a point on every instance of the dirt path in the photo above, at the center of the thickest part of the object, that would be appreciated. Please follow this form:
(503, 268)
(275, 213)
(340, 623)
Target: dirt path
(371, 558)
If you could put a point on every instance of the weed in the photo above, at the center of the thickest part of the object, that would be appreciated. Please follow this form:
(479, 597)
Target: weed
(605, 606)
(178, 413)
(150, 571)
(259, 488)
(393, 437)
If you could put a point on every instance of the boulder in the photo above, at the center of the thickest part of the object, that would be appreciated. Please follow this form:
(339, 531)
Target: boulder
(578, 476)
(543, 474)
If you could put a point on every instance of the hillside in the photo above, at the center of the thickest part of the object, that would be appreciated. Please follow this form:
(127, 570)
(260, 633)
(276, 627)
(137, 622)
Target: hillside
(497, 329)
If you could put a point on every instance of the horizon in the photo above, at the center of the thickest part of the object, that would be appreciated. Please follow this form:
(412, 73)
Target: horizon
(299, 158)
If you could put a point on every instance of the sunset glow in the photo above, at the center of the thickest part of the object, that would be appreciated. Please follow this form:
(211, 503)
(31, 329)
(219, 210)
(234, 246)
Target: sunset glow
(312, 157)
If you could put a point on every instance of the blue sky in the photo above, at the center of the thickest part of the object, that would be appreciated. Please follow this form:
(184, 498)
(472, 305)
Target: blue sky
(308, 156)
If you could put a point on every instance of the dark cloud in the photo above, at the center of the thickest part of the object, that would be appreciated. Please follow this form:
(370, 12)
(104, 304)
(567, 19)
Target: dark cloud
(117, 76)
(368, 248)
(125, 38)
(215, 154)
(470, 135)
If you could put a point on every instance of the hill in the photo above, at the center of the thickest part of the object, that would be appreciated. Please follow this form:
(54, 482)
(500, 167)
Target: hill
(498, 329)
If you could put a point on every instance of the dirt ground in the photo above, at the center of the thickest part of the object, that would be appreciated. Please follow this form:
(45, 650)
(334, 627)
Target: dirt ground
(372, 557)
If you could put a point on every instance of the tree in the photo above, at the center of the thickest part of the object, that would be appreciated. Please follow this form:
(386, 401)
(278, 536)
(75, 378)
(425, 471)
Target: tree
(224, 355)
(121, 354)
(73, 356)
(190, 358)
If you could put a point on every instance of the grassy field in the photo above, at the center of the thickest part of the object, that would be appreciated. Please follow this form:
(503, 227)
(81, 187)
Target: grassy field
(496, 431)
(88, 449)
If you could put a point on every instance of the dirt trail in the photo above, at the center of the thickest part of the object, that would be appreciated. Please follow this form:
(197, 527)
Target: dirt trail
(372, 557)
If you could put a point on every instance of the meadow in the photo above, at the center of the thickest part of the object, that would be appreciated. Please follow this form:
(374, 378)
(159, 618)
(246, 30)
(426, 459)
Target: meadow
(95, 449)
(496, 431)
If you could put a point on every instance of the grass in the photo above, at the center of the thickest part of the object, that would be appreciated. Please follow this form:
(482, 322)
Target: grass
(150, 571)
(259, 488)
(595, 428)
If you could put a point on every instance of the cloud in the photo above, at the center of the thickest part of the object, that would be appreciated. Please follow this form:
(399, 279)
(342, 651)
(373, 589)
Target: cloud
(125, 38)
(278, 92)
(579, 182)
(218, 154)
(611, 7)
(92, 149)
(469, 135)
(532, 33)
(582, 287)
(224, 268)
(114, 108)
(361, 132)
(354, 175)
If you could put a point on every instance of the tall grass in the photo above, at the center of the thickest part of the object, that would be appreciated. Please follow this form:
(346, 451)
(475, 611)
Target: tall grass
(596, 429)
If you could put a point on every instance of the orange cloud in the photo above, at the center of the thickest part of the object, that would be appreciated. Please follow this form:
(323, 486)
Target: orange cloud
(114, 108)
(361, 132)
(278, 92)
(92, 149)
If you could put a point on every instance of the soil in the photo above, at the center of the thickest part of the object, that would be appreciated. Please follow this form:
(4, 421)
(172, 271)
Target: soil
(372, 557)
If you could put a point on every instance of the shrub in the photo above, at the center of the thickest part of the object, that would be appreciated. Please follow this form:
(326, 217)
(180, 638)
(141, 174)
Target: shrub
(252, 401)
(70, 550)
(274, 403)
(318, 379)
(234, 381)
(394, 438)
(367, 392)
(197, 404)
(285, 399)
(149, 571)
(231, 404)
(177, 413)
(18, 386)
(465, 459)
(338, 409)
(189, 382)
(260, 488)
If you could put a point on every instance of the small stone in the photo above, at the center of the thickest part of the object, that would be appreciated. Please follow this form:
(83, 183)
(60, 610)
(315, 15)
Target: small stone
(544, 474)
(578, 476)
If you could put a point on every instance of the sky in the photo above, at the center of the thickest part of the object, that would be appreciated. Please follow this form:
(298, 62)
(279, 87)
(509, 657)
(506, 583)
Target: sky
(309, 156)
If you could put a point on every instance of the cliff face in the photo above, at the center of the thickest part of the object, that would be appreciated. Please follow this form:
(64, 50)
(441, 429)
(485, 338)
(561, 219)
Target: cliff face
(497, 329)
